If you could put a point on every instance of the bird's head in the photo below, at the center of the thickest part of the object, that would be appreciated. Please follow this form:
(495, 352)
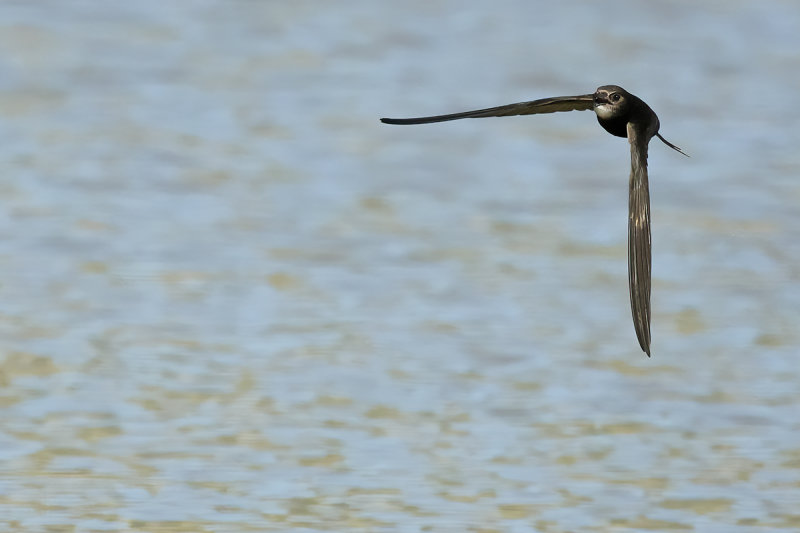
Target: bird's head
(611, 102)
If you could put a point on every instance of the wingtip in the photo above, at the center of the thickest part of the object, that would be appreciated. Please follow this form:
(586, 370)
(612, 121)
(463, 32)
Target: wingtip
(644, 343)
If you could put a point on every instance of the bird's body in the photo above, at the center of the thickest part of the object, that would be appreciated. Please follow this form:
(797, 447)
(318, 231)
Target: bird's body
(623, 115)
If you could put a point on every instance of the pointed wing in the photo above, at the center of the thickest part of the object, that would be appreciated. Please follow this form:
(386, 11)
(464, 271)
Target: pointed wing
(639, 243)
(545, 105)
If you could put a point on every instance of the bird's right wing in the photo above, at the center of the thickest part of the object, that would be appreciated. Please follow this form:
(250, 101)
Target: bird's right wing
(545, 105)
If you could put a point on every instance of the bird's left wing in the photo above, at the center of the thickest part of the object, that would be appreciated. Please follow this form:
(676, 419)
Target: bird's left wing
(545, 105)
(639, 243)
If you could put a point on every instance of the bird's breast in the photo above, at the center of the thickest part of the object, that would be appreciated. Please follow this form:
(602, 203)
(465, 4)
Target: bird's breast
(617, 126)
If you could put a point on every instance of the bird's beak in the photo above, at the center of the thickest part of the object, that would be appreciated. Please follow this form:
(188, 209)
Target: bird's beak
(600, 99)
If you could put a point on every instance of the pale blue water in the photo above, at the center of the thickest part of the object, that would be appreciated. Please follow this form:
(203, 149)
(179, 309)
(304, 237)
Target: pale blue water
(232, 300)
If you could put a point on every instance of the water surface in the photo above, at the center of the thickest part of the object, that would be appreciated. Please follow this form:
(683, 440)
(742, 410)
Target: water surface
(232, 300)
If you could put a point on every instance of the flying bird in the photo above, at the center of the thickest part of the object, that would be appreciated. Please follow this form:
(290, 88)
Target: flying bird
(623, 115)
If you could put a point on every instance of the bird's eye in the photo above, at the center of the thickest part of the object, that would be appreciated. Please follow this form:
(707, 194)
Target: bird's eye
(615, 97)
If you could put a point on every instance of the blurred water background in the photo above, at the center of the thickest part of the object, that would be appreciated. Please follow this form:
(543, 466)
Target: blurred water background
(232, 300)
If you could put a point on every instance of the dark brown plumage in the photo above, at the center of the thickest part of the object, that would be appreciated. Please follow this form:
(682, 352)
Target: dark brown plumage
(624, 115)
